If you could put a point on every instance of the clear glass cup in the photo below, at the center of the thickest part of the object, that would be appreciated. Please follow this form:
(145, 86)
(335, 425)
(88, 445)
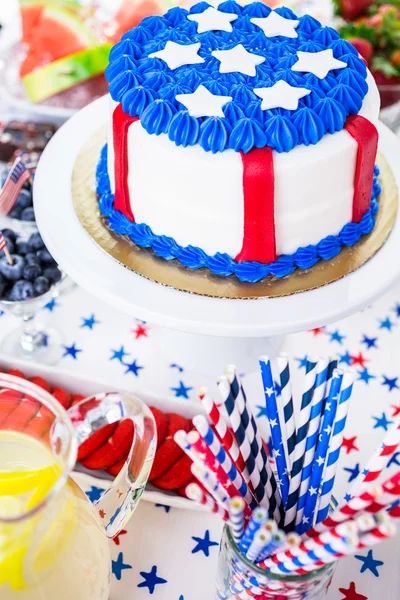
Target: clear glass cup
(240, 579)
(54, 543)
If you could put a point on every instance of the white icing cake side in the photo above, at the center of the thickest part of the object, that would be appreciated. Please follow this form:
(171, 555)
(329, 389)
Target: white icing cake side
(196, 197)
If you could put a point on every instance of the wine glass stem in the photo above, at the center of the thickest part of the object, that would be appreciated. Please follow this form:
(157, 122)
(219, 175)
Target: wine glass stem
(31, 337)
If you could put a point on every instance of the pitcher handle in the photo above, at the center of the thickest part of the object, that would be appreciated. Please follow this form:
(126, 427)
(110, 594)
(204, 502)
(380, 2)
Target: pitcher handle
(119, 501)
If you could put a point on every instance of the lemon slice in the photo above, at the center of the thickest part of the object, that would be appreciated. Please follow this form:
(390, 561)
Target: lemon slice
(13, 483)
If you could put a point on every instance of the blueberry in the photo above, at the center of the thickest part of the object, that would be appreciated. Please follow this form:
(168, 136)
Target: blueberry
(32, 259)
(45, 257)
(36, 242)
(24, 199)
(22, 248)
(12, 272)
(10, 234)
(41, 285)
(31, 272)
(3, 285)
(53, 274)
(15, 213)
(28, 214)
(10, 244)
(22, 290)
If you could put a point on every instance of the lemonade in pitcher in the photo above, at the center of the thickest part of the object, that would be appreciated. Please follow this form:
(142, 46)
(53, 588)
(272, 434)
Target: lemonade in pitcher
(54, 544)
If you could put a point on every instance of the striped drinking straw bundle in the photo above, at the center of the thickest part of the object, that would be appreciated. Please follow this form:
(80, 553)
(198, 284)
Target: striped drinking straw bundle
(278, 507)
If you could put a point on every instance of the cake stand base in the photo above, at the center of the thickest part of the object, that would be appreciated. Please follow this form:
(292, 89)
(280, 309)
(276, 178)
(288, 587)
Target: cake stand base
(209, 354)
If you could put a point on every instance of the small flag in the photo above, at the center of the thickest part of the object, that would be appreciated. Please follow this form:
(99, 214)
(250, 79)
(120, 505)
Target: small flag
(9, 193)
(2, 242)
(3, 246)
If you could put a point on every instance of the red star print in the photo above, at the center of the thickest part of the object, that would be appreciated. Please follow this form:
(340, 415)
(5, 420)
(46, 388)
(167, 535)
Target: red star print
(359, 360)
(349, 444)
(351, 593)
(116, 538)
(102, 513)
(396, 410)
(317, 331)
(140, 331)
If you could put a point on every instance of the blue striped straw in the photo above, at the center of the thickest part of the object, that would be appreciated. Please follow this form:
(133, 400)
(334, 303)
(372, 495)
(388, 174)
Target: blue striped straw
(257, 519)
(261, 540)
(236, 517)
(322, 451)
(209, 481)
(299, 451)
(335, 446)
(275, 427)
(278, 539)
(240, 435)
(312, 435)
(223, 458)
(288, 410)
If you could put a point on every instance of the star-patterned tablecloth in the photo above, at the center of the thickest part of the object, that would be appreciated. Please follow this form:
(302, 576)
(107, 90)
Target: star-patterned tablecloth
(171, 554)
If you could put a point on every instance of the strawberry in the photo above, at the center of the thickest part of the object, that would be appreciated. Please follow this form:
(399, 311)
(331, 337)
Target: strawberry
(350, 9)
(364, 47)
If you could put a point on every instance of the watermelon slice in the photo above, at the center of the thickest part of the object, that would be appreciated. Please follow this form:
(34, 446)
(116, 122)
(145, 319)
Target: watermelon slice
(31, 11)
(58, 33)
(130, 14)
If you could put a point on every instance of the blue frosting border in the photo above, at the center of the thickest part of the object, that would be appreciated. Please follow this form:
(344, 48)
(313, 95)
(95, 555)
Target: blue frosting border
(147, 87)
(222, 264)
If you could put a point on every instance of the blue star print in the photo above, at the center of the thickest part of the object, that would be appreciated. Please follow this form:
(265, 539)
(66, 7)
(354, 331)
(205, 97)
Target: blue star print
(336, 336)
(94, 493)
(347, 497)
(2, 313)
(365, 375)
(175, 366)
(302, 362)
(119, 354)
(369, 342)
(151, 579)
(181, 391)
(391, 383)
(394, 460)
(354, 473)
(386, 324)
(262, 412)
(203, 544)
(90, 322)
(72, 351)
(345, 358)
(118, 566)
(164, 506)
(397, 310)
(50, 306)
(133, 367)
(382, 422)
(369, 563)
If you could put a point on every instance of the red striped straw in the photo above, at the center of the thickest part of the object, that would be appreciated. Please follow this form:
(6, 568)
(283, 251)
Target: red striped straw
(224, 432)
(394, 512)
(194, 492)
(379, 460)
(370, 501)
(210, 483)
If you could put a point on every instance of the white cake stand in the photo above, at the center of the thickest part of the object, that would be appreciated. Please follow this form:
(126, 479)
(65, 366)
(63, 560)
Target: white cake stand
(201, 333)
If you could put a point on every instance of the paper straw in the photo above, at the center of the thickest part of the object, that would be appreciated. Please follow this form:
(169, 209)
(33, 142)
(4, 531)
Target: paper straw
(335, 446)
(238, 486)
(322, 451)
(258, 518)
(236, 517)
(276, 427)
(180, 438)
(243, 443)
(224, 432)
(194, 492)
(377, 535)
(317, 405)
(278, 539)
(261, 539)
(208, 480)
(379, 460)
(288, 410)
(372, 501)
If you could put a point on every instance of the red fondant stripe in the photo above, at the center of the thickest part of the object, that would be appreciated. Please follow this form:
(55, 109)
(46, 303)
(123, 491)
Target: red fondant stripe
(366, 136)
(121, 124)
(259, 206)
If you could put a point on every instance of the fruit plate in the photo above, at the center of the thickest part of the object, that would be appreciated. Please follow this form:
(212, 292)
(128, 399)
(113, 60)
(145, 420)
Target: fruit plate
(76, 384)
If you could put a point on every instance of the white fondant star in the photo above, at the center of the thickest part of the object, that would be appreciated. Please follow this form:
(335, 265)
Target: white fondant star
(238, 60)
(318, 63)
(177, 55)
(202, 103)
(281, 95)
(213, 20)
(275, 25)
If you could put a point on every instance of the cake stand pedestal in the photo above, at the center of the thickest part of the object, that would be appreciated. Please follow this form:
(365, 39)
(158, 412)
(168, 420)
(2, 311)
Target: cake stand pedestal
(200, 333)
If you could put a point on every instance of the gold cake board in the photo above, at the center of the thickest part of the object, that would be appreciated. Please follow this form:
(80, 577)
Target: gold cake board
(171, 273)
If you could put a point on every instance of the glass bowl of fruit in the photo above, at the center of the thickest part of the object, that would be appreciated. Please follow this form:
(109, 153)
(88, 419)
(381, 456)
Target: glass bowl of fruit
(21, 218)
(29, 279)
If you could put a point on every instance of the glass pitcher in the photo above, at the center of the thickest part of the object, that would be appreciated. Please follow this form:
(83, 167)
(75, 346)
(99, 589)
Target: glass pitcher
(53, 541)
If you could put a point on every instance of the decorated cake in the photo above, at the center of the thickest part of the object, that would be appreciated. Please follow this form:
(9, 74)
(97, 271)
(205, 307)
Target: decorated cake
(241, 140)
